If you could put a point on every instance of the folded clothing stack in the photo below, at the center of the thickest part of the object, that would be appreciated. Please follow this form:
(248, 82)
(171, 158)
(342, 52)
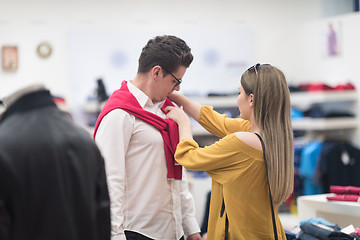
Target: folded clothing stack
(344, 193)
(321, 229)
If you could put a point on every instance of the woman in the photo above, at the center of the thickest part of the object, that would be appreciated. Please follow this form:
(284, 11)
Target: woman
(240, 201)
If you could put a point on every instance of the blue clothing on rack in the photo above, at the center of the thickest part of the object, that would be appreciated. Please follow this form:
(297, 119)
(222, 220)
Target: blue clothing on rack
(308, 167)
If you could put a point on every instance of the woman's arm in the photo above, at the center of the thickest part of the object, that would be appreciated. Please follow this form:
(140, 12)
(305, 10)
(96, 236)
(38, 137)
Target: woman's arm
(214, 122)
(190, 107)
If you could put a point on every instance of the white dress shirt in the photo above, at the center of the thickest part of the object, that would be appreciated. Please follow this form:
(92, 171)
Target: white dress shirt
(143, 200)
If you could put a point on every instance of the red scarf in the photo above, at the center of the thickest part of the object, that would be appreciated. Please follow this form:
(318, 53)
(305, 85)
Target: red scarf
(125, 100)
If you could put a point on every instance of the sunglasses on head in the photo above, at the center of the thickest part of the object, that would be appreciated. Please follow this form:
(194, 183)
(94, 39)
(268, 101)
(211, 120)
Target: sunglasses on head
(254, 68)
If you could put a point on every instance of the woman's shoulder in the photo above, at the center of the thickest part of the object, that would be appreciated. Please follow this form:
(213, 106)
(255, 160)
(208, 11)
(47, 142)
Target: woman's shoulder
(250, 139)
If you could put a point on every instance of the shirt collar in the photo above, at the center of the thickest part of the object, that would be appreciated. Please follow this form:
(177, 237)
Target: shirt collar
(142, 98)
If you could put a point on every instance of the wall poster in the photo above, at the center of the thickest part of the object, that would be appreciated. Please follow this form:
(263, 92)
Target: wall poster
(9, 58)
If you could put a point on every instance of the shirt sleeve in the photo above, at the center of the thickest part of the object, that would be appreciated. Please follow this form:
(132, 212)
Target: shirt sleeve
(219, 125)
(224, 160)
(189, 223)
(113, 137)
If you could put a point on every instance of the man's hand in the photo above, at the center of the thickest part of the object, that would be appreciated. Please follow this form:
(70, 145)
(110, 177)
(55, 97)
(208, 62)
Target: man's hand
(195, 236)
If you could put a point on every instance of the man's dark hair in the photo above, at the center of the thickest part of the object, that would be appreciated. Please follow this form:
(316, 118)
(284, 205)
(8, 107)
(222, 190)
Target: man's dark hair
(167, 51)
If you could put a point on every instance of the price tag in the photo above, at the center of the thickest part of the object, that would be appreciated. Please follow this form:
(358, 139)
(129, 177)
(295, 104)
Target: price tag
(345, 158)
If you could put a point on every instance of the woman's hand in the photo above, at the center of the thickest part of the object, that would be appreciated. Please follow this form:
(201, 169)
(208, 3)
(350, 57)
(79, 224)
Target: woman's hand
(190, 107)
(181, 118)
(177, 115)
(173, 96)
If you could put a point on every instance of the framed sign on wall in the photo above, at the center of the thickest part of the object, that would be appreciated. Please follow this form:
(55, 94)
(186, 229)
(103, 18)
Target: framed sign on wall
(9, 58)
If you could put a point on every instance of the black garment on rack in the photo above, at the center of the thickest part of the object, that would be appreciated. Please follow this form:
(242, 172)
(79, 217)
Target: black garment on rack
(334, 170)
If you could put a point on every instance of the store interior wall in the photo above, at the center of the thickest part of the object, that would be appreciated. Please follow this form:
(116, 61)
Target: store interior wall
(312, 64)
(27, 24)
(287, 34)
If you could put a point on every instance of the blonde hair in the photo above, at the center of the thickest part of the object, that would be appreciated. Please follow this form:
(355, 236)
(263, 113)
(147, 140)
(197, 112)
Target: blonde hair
(272, 115)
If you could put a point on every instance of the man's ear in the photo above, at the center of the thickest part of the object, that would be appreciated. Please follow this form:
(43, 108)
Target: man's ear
(156, 71)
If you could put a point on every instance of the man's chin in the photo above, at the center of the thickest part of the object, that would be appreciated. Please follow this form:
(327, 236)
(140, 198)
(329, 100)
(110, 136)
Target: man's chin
(159, 100)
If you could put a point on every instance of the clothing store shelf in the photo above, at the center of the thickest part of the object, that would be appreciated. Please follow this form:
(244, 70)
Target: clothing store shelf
(217, 102)
(306, 124)
(308, 98)
(296, 98)
(325, 123)
(340, 212)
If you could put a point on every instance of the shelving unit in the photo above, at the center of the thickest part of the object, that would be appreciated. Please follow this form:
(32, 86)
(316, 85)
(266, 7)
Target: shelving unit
(302, 99)
(306, 98)
(340, 212)
(321, 124)
(298, 99)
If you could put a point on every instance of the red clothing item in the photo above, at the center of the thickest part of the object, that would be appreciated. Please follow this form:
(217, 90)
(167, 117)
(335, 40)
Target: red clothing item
(126, 101)
(314, 87)
(357, 232)
(344, 189)
(344, 197)
(347, 86)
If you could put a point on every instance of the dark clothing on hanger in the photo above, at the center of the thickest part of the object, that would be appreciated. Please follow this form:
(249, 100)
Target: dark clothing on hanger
(339, 165)
(52, 177)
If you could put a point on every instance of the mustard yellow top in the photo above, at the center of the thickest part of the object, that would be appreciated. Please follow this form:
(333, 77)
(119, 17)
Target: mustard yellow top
(238, 176)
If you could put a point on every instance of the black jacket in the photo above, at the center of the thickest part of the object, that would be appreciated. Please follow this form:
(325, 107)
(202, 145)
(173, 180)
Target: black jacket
(52, 177)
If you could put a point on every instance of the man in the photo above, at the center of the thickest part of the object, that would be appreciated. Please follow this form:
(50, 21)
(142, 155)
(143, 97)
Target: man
(148, 189)
(52, 176)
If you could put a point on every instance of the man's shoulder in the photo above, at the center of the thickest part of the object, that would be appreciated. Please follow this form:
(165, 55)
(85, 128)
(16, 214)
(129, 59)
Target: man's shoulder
(117, 117)
(119, 113)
